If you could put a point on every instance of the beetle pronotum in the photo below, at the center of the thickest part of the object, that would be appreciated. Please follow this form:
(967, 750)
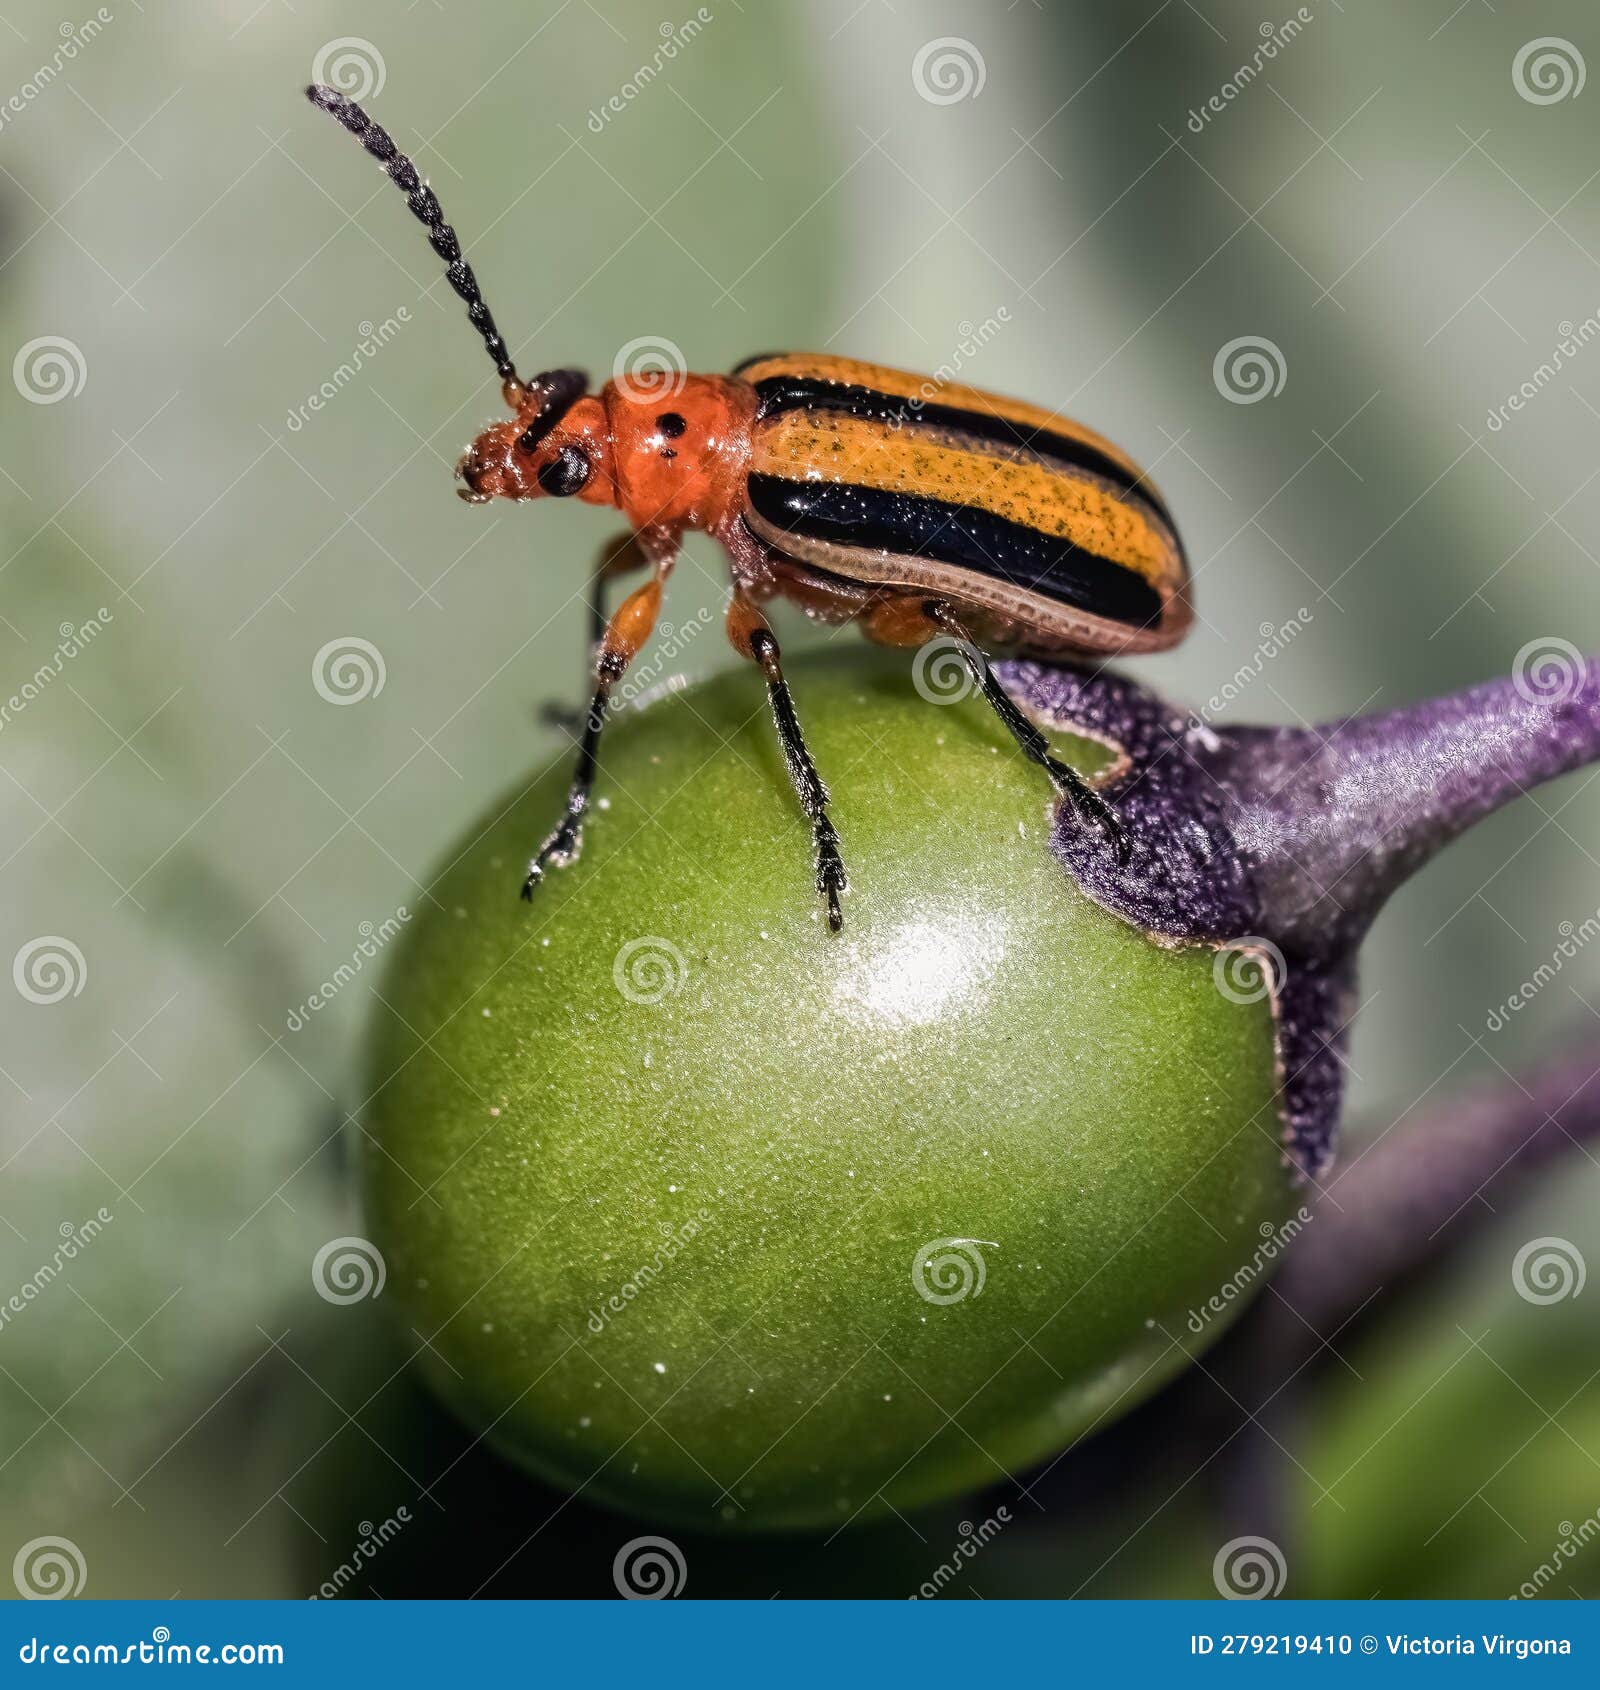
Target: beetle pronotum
(916, 508)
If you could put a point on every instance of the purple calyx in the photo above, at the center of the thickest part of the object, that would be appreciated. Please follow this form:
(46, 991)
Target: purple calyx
(1288, 841)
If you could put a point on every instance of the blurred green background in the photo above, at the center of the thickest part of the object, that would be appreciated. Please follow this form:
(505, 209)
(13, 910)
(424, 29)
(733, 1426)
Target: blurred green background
(209, 831)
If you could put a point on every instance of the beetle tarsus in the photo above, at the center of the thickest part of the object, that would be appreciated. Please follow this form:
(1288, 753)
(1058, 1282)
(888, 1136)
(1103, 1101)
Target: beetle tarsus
(563, 847)
(1086, 803)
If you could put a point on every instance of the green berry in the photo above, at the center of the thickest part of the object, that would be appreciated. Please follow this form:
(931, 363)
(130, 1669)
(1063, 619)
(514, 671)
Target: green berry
(720, 1218)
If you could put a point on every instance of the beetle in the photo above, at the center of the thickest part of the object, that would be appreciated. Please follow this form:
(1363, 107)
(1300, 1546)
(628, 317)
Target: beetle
(917, 508)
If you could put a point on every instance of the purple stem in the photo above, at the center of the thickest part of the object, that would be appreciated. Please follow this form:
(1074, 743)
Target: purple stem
(1292, 839)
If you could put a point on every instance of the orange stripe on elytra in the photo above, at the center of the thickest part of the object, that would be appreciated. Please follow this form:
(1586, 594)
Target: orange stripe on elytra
(907, 384)
(803, 446)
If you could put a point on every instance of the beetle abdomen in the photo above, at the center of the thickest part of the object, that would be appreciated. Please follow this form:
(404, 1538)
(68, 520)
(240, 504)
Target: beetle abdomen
(892, 478)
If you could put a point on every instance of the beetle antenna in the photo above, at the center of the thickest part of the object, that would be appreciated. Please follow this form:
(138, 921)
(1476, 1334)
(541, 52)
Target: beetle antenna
(425, 208)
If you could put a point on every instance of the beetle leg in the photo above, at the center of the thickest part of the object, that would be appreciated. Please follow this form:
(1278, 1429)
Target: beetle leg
(1069, 784)
(627, 630)
(752, 637)
(617, 557)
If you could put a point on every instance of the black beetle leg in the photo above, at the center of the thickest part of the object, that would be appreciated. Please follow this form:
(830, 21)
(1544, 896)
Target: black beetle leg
(751, 637)
(1085, 801)
(624, 634)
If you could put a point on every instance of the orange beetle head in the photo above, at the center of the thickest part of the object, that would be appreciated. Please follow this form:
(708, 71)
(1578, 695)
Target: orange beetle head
(558, 445)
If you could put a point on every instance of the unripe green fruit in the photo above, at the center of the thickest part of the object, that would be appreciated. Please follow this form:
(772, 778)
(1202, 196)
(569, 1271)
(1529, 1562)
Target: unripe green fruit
(652, 1160)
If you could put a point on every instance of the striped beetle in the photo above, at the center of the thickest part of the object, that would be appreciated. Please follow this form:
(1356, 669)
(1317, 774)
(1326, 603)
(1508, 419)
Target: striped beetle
(916, 508)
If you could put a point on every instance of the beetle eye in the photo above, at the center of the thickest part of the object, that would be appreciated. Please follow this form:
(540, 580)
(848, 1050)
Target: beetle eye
(566, 473)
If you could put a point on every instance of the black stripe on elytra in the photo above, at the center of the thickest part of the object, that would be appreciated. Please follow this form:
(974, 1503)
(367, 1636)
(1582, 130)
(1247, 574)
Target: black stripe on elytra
(963, 535)
(802, 393)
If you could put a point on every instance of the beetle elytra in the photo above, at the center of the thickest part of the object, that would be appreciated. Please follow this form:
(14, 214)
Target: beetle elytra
(916, 508)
